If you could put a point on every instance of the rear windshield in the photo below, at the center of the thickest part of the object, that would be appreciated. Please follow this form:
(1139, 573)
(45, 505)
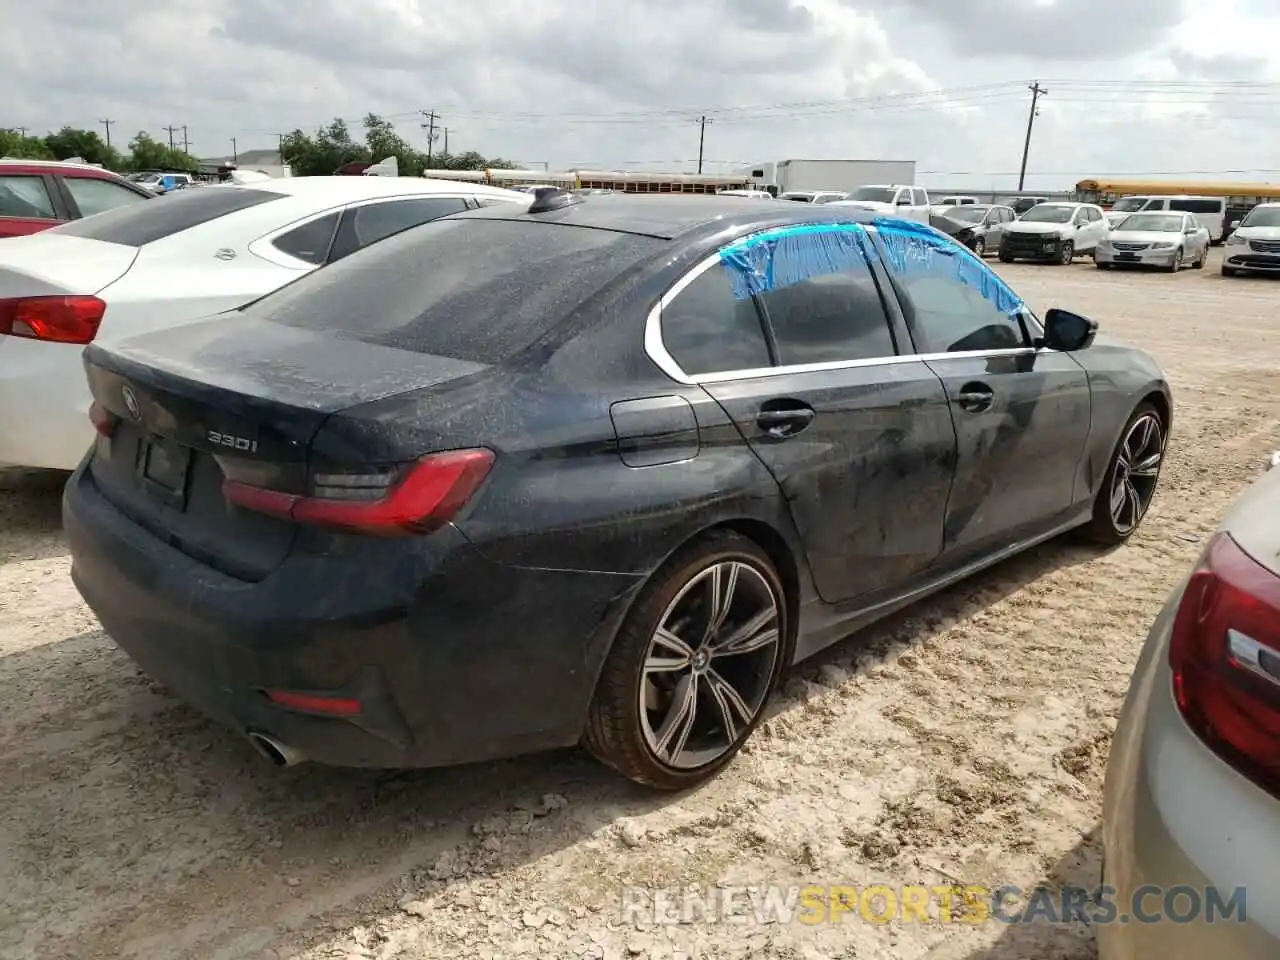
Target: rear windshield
(476, 290)
(142, 223)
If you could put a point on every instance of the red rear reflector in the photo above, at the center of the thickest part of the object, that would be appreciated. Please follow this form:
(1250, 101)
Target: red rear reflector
(1225, 656)
(421, 498)
(104, 421)
(315, 703)
(52, 319)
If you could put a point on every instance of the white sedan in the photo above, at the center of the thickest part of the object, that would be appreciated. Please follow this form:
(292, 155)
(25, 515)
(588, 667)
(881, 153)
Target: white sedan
(151, 265)
(1166, 240)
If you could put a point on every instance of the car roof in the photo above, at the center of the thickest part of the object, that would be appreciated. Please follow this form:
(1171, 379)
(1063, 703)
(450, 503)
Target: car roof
(19, 165)
(346, 189)
(667, 217)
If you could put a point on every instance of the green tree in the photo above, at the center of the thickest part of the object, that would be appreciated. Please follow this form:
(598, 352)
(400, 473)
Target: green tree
(147, 153)
(382, 140)
(14, 144)
(323, 154)
(70, 142)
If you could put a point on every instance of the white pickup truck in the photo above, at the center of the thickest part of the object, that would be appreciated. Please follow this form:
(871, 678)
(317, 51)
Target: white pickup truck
(890, 200)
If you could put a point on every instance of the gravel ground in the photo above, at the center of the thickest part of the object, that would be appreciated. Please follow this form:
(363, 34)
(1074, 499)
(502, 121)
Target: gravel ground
(962, 742)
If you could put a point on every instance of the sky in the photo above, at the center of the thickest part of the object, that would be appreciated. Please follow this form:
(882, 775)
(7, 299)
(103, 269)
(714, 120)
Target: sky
(1133, 88)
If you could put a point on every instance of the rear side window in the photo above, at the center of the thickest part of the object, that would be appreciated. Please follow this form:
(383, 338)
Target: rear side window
(828, 318)
(25, 195)
(1197, 206)
(310, 241)
(474, 290)
(143, 223)
(372, 222)
(707, 330)
(93, 195)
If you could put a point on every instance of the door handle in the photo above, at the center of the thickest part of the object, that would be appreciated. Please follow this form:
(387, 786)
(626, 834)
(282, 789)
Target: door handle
(975, 397)
(780, 422)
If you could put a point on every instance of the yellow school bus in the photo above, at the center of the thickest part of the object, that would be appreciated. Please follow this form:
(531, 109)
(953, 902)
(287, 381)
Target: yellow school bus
(1238, 195)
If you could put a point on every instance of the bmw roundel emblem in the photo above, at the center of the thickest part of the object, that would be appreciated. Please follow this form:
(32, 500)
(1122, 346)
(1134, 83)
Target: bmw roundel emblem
(131, 402)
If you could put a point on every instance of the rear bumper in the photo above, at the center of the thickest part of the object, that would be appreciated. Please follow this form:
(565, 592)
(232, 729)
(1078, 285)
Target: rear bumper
(453, 658)
(1177, 818)
(44, 404)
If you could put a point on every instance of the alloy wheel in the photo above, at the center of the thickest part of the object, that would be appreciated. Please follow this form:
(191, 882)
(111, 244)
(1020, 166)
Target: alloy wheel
(710, 665)
(1137, 468)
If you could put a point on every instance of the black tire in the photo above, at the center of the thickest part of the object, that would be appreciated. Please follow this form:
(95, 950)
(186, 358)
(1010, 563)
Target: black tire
(1230, 272)
(1067, 253)
(980, 247)
(1204, 258)
(616, 733)
(1176, 264)
(1101, 266)
(1005, 257)
(1105, 527)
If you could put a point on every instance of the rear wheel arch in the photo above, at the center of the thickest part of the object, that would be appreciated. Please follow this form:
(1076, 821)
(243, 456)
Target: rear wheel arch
(1163, 408)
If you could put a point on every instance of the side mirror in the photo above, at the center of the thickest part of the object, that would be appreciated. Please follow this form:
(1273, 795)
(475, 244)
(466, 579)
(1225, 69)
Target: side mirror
(1275, 460)
(1068, 331)
(1235, 224)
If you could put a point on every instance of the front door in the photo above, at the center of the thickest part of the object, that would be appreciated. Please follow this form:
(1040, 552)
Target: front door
(858, 437)
(1021, 415)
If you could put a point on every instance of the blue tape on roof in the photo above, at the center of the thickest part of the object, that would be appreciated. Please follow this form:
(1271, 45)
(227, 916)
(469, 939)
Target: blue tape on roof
(780, 258)
(917, 249)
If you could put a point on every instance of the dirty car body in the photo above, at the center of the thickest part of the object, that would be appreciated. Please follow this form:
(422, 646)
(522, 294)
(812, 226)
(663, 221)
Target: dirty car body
(392, 516)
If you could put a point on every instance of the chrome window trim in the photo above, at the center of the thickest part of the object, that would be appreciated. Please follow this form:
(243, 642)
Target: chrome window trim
(662, 358)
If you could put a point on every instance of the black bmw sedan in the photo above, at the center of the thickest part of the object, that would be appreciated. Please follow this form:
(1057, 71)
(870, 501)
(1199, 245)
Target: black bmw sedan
(594, 473)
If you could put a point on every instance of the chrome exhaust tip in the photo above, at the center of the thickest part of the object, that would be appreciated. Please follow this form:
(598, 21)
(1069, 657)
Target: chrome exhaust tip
(275, 751)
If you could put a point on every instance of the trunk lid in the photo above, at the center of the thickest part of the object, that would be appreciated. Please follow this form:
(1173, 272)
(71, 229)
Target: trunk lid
(231, 397)
(47, 264)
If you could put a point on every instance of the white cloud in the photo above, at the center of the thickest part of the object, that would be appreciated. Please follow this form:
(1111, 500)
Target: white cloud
(615, 83)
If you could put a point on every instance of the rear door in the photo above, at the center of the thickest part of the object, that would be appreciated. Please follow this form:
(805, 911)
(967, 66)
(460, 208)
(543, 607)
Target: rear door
(29, 203)
(1021, 415)
(857, 436)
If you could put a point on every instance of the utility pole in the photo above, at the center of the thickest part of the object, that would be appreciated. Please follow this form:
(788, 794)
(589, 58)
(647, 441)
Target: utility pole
(235, 154)
(430, 127)
(446, 141)
(107, 124)
(186, 144)
(1037, 92)
(702, 138)
(171, 131)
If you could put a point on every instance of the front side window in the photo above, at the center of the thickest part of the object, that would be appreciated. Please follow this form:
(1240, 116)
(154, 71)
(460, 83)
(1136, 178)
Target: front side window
(94, 195)
(707, 330)
(25, 195)
(951, 316)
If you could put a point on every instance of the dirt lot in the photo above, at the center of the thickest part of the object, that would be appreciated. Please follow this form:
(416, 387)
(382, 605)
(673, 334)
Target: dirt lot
(961, 743)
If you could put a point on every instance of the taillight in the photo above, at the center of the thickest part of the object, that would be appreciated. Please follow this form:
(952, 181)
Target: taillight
(416, 499)
(53, 319)
(1225, 656)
